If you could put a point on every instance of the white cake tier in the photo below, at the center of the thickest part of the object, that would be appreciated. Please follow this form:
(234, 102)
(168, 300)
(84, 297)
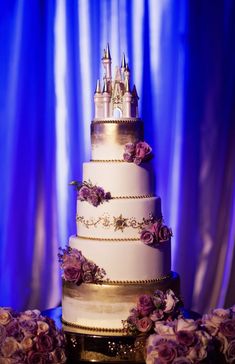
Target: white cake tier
(126, 260)
(121, 179)
(108, 137)
(116, 219)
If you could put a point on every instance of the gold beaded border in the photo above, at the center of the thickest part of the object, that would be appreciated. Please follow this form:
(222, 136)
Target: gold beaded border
(90, 328)
(145, 281)
(117, 121)
(107, 160)
(108, 239)
(132, 197)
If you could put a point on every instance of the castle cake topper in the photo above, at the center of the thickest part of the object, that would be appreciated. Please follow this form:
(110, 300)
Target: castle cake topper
(116, 100)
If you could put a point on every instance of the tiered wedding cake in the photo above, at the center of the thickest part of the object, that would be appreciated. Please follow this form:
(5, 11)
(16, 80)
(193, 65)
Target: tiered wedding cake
(119, 219)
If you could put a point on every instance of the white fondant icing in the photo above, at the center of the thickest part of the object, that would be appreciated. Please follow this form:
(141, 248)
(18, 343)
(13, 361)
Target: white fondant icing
(121, 179)
(123, 261)
(131, 209)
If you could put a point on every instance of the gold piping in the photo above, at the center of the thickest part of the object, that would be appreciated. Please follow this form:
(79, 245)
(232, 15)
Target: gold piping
(116, 121)
(107, 160)
(132, 197)
(90, 328)
(145, 281)
(107, 239)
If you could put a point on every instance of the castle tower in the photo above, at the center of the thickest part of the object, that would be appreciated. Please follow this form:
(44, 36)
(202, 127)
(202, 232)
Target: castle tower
(107, 60)
(106, 99)
(127, 98)
(98, 99)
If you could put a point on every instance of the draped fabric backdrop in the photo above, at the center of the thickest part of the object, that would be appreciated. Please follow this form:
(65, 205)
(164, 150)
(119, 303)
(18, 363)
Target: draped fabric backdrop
(181, 55)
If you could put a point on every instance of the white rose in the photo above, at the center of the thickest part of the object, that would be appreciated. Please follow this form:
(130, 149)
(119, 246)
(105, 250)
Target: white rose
(186, 324)
(171, 301)
(42, 327)
(164, 329)
(221, 312)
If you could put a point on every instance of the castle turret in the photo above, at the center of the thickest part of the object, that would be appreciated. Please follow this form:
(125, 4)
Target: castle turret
(98, 99)
(106, 60)
(106, 99)
(127, 98)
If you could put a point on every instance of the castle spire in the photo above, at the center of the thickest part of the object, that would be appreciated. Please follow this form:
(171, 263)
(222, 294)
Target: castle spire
(107, 60)
(123, 64)
(107, 52)
(105, 88)
(98, 89)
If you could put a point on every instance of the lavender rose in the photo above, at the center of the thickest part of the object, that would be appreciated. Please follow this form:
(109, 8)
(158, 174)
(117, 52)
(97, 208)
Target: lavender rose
(87, 277)
(9, 347)
(2, 334)
(147, 237)
(93, 199)
(167, 351)
(227, 328)
(57, 356)
(29, 327)
(130, 148)
(142, 150)
(170, 301)
(230, 353)
(137, 160)
(186, 324)
(72, 274)
(185, 337)
(145, 305)
(84, 193)
(100, 192)
(5, 316)
(37, 358)
(157, 315)
(44, 343)
(158, 299)
(164, 233)
(144, 324)
(128, 157)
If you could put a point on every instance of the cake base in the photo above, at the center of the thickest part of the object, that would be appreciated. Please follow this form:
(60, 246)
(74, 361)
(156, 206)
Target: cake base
(84, 348)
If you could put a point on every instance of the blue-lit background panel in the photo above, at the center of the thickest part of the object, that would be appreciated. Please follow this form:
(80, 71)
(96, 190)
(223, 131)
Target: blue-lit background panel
(181, 56)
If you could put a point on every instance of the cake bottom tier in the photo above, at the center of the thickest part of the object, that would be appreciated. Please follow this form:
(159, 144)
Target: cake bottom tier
(101, 308)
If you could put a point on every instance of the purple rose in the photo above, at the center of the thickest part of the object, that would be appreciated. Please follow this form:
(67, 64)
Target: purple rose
(130, 148)
(144, 324)
(19, 356)
(157, 315)
(158, 299)
(99, 191)
(142, 150)
(185, 337)
(88, 277)
(147, 237)
(2, 334)
(72, 274)
(13, 330)
(37, 358)
(230, 353)
(128, 157)
(145, 305)
(167, 351)
(227, 328)
(88, 266)
(59, 339)
(29, 327)
(84, 193)
(137, 160)
(44, 343)
(94, 199)
(9, 347)
(164, 233)
(57, 356)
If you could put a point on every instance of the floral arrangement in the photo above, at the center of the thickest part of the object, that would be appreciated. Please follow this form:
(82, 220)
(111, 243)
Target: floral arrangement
(173, 339)
(29, 337)
(77, 269)
(95, 195)
(137, 152)
(180, 342)
(151, 309)
(155, 233)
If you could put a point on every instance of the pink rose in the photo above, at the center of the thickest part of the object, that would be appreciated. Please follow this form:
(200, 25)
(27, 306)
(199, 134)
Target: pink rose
(227, 328)
(186, 324)
(164, 233)
(130, 148)
(128, 157)
(142, 150)
(185, 337)
(72, 274)
(144, 324)
(9, 346)
(167, 351)
(27, 343)
(5, 316)
(147, 237)
(230, 353)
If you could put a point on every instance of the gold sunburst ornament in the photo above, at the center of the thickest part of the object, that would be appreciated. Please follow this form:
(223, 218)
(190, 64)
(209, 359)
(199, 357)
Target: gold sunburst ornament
(120, 223)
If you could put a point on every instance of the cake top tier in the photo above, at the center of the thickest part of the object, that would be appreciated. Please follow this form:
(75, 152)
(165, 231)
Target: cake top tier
(116, 100)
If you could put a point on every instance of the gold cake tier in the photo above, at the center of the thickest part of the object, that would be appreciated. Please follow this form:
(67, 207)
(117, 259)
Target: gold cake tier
(108, 299)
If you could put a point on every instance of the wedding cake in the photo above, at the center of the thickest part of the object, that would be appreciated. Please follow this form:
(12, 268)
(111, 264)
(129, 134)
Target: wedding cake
(122, 249)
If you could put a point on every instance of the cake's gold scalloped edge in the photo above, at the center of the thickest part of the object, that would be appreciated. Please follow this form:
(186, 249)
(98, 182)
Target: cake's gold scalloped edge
(144, 281)
(116, 121)
(132, 197)
(108, 160)
(107, 239)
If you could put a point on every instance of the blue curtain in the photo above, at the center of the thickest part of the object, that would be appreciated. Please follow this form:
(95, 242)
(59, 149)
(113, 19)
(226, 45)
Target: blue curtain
(182, 56)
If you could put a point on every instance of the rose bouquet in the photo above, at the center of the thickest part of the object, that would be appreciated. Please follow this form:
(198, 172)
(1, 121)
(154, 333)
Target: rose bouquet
(180, 341)
(155, 233)
(29, 337)
(220, 324)
(95, 195)
(137, 152)
(151, 309)
(77, 269)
